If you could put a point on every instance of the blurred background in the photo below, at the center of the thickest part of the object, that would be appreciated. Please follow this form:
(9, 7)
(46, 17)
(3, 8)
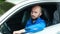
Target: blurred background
(4, 6)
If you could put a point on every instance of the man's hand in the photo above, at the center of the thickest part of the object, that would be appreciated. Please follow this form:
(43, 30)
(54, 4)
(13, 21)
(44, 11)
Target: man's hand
(19, 32)
(16, 32)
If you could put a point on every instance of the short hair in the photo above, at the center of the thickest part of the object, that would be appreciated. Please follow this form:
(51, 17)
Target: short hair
(37, 5)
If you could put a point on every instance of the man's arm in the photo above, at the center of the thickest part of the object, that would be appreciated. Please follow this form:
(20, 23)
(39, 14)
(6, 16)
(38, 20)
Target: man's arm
(19, 32)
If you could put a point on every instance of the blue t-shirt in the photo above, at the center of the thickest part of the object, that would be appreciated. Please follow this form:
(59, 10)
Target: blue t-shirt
(38, 25)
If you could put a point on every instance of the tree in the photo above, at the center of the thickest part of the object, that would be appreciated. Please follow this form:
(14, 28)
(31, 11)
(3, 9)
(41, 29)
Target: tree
(1, 1)
(4, 6)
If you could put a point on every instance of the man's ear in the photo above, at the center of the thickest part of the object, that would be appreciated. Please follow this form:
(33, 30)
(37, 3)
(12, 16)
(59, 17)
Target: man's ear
(40, 14)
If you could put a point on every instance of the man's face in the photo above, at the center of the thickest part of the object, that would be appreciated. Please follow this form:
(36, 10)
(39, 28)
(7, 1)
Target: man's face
(36, 12)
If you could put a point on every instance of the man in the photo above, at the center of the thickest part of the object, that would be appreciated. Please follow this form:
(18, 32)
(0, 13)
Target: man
(35, 23)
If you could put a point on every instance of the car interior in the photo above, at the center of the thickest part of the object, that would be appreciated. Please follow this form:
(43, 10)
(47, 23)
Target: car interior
(19, 19)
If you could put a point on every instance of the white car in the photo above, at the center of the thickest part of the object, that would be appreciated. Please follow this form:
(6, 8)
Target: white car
(16, 18)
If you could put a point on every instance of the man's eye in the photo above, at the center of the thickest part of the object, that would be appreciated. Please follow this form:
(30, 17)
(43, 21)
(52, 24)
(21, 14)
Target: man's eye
(35, 12)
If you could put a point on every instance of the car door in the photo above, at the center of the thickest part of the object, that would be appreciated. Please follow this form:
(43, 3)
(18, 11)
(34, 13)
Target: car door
(16, 18)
